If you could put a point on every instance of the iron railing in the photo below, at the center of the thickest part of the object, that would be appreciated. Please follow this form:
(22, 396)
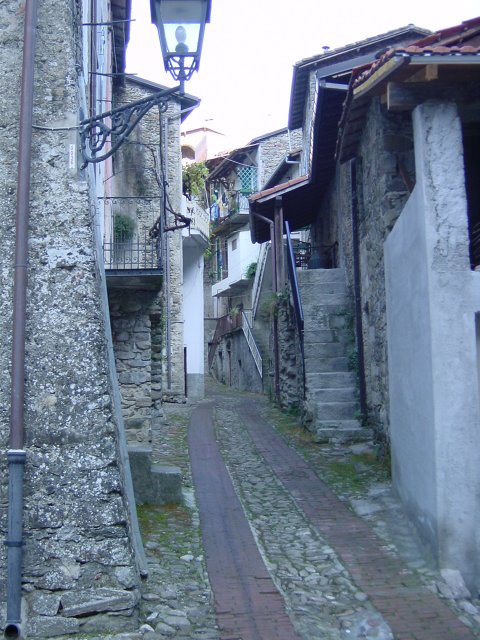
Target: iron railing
(315, 256)
(252, 344)
(135, 253)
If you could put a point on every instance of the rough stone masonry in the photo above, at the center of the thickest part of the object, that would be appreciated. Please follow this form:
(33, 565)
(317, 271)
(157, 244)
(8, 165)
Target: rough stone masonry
(79, 568)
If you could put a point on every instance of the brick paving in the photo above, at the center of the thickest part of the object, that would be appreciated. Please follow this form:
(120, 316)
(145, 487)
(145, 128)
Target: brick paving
(248, 605)
(283, 556)
(412, 612)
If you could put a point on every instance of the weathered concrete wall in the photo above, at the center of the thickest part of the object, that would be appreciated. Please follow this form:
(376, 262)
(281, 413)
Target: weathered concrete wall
(432, 302)
(234, 365)
(78, 544)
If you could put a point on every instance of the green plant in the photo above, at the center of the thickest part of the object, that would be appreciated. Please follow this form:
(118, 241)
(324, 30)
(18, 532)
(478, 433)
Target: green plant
(269, 307)
(193, 180)
(251, 270)
(233, 313)
(123, 227)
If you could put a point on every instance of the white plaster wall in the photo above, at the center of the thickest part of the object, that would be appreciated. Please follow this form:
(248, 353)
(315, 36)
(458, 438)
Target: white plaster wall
(412, 413)
(238, 260)
(193, 319)
(432, 298)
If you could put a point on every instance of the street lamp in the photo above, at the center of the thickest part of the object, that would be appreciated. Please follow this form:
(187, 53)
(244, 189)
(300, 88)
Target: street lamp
(181, 26)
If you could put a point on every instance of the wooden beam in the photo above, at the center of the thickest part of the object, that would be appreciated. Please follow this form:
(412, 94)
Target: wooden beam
(406, 96)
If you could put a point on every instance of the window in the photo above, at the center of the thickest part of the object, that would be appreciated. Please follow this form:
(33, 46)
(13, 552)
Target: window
(248, 179)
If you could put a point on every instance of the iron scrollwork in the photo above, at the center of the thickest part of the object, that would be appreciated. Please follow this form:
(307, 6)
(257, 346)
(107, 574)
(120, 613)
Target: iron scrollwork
(96, 131)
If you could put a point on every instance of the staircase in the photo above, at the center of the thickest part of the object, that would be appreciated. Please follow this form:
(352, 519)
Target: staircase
(331, 387)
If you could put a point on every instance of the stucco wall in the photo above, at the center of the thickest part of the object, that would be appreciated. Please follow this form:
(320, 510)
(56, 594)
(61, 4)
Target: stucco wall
(194, 321)
(432, 301)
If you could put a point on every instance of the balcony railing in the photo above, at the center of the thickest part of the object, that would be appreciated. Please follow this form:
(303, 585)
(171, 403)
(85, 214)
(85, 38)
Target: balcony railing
(237, 203)
(310, 256)
(132, 254)
(200, 220)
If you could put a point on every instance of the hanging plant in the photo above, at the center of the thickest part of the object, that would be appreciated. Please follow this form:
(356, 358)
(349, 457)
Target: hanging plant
(123, 227)
(251, 270)
(193, 179)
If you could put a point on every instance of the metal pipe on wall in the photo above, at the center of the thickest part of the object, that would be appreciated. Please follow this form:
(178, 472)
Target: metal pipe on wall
(16, 455)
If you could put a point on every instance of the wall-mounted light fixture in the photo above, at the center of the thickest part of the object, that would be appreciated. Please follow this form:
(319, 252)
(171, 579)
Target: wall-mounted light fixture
(181, 27)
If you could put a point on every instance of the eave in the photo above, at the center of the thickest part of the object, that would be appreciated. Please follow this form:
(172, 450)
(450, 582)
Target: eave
(405, 80)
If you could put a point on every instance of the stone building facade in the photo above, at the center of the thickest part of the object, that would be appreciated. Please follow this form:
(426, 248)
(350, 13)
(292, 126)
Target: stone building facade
(146, 298)
(233, 253)
(394, 182)
(384, 172)
(82, 556)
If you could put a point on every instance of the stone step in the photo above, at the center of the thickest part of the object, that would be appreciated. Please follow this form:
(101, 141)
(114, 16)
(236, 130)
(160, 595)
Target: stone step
(319, 335)
(335, 410)
(314, 364)
(318, 290)
(329, 380)
(326, 318)
(344, 394)
(154, 483)
(340, 432)
(313, 301)
(324, 350)
(313, 336)
(321, 275)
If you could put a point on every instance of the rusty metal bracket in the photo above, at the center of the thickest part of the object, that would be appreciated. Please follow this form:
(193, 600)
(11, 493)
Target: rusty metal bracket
(118, 123)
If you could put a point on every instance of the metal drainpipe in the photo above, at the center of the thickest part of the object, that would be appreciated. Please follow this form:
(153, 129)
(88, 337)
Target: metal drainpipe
(16, 454)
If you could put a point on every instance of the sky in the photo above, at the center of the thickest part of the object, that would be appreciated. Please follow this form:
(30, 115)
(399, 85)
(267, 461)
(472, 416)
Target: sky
(250, 47)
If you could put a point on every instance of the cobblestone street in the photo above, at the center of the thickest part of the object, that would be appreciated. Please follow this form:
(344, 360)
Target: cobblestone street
(284, 556)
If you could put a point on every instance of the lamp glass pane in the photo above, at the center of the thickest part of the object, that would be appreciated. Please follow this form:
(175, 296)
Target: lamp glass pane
(192, 32)
(182, 11)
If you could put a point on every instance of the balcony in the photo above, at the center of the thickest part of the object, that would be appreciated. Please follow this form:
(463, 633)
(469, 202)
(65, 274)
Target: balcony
(237, 213)
(197, 234)
(133, 263)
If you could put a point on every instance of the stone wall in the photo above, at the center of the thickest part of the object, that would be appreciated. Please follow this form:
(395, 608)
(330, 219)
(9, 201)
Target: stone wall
(79, 564)
(385, 153)
(137, 335)
(153, 156)
(174, 382)
(291, 369)
(233, 364)
(273, 150)
(386, 150)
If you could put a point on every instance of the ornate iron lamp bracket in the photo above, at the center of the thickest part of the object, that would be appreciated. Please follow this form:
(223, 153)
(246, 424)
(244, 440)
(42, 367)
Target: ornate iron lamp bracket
(96, 131)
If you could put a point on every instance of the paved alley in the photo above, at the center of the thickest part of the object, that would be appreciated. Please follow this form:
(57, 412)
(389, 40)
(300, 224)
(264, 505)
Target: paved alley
(263, 549)
(327, 569)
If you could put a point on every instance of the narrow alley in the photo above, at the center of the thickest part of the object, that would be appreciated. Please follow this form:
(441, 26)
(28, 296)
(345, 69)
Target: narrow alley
(286, 556)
